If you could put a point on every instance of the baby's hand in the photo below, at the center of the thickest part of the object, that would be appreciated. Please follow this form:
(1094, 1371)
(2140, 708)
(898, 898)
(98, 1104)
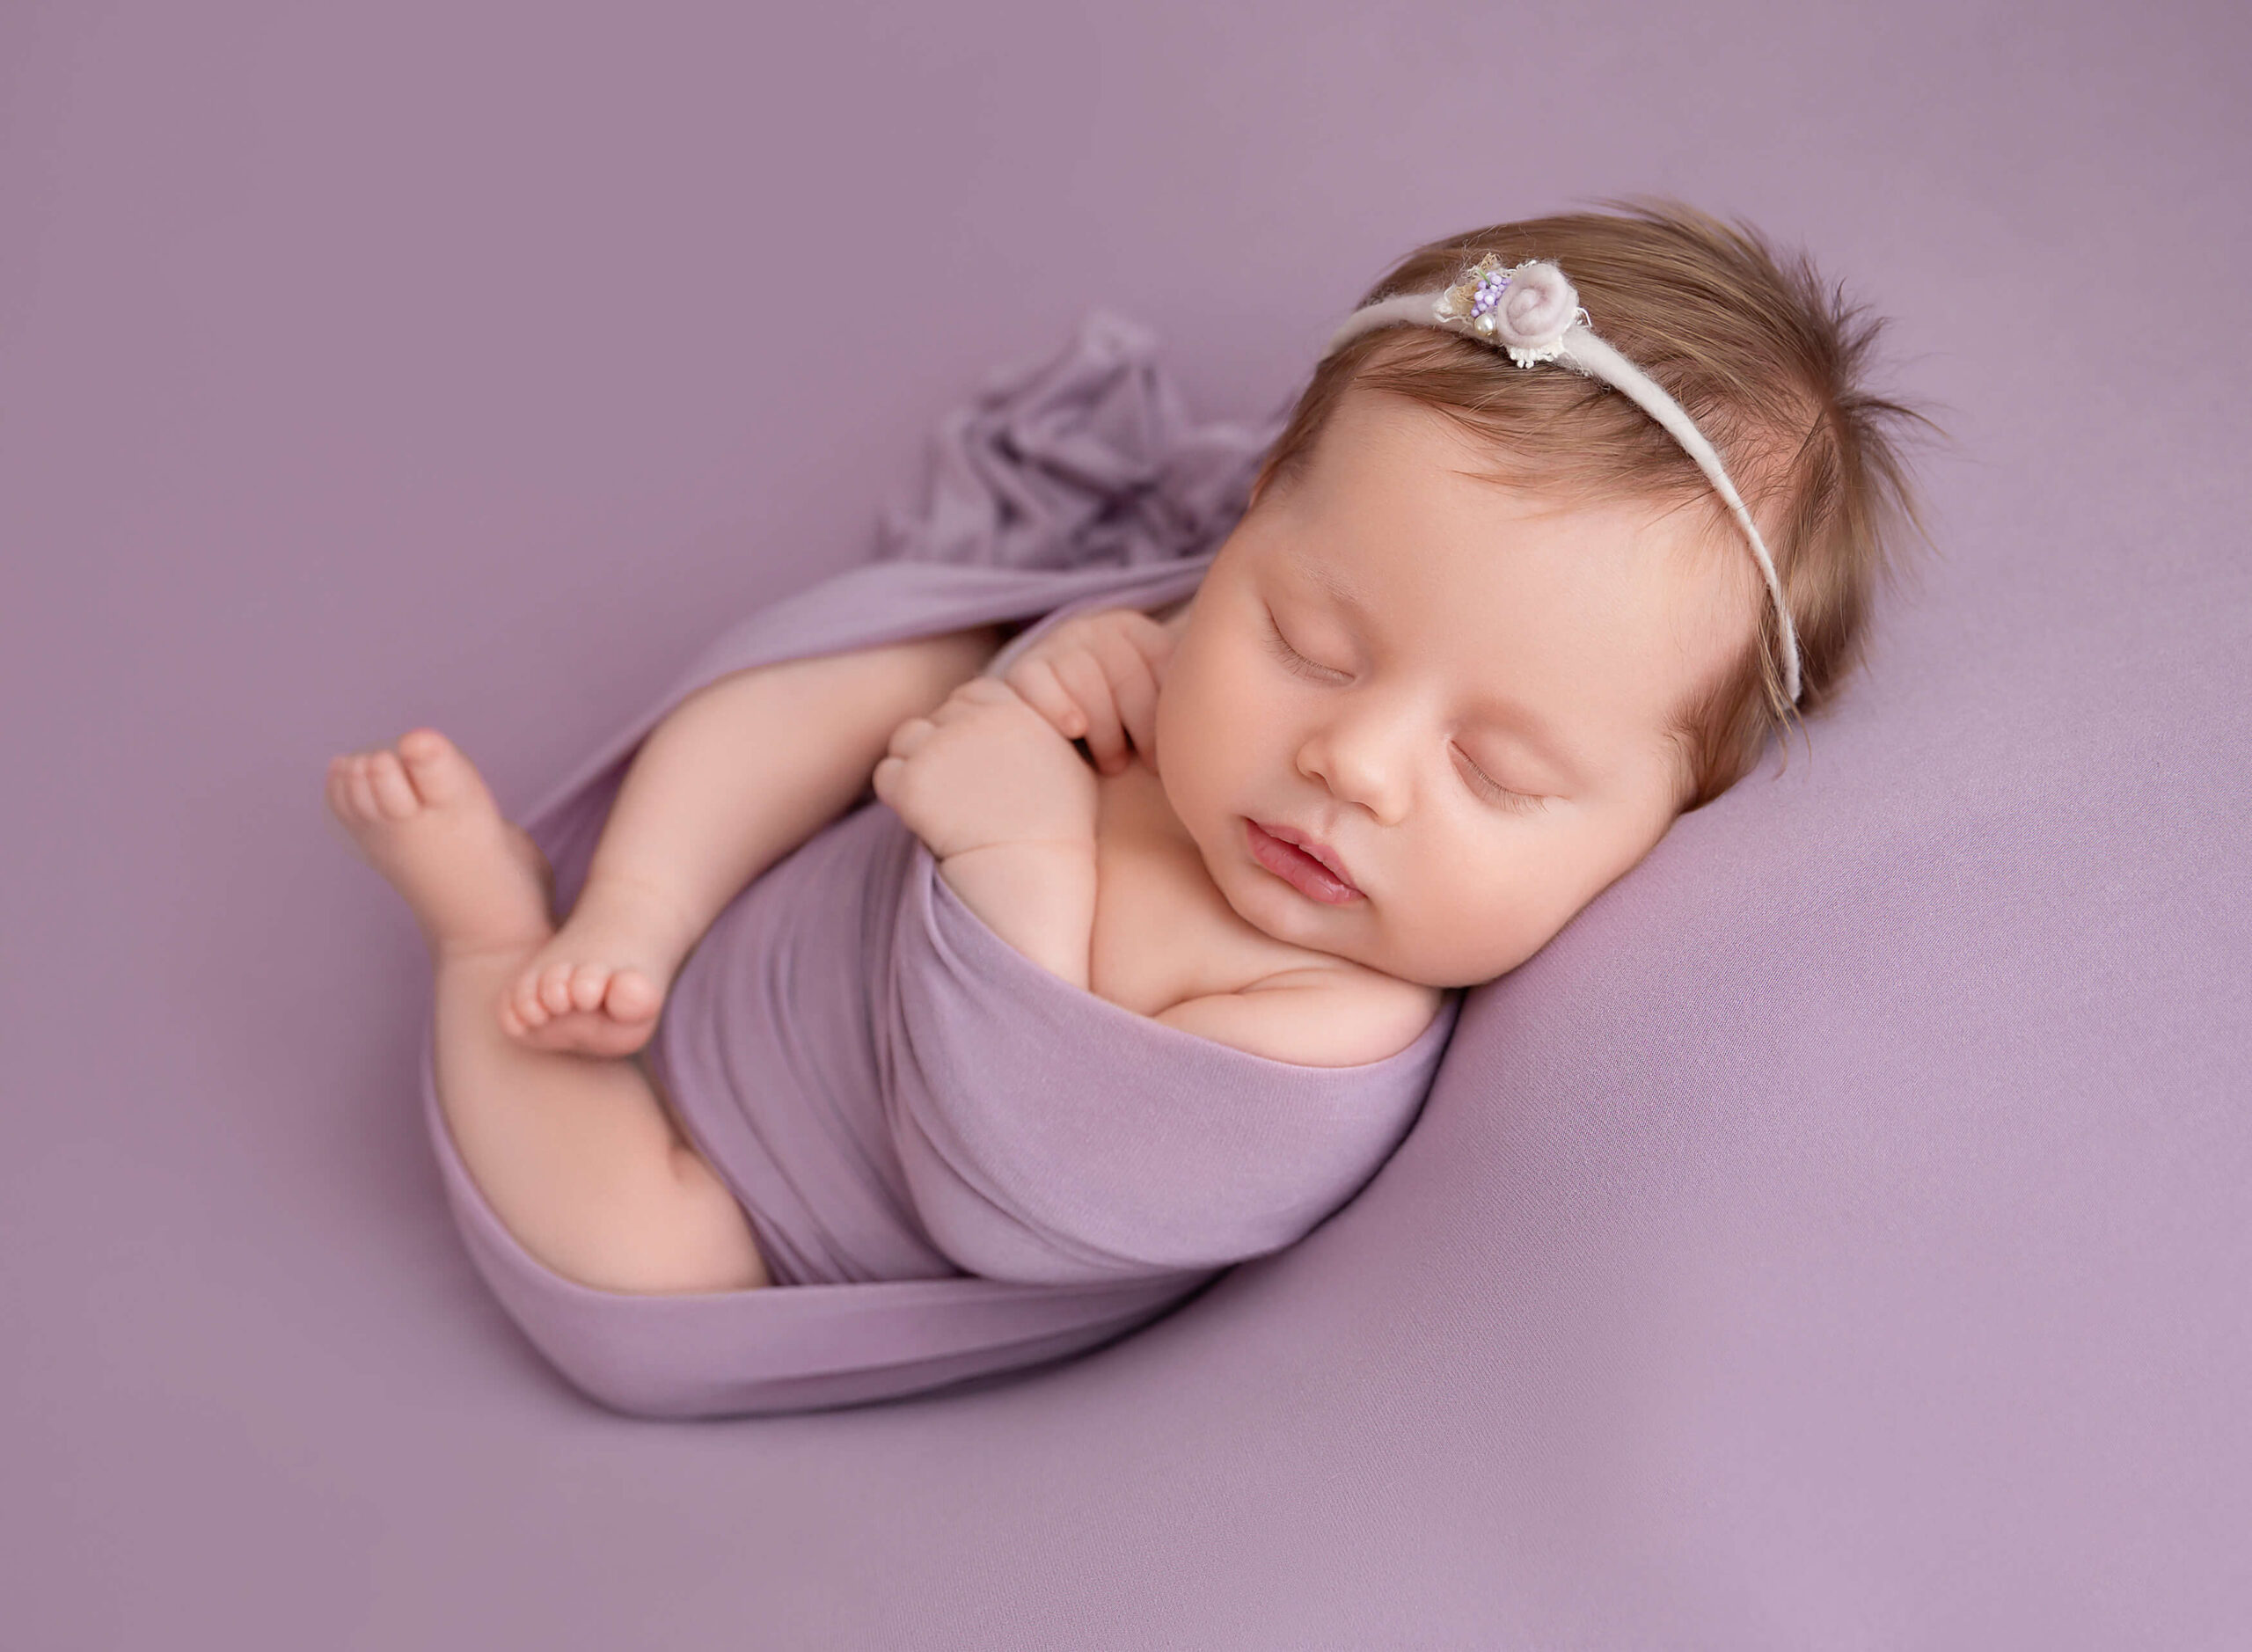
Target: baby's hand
(985, 768)
(1096, 677)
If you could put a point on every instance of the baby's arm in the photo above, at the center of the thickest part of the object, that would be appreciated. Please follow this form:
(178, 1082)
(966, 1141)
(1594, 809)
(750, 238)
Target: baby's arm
(735, 777)
(749, 766)
(1009, 810)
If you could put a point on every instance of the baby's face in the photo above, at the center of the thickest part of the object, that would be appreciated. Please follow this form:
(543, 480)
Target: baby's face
(1456, 691)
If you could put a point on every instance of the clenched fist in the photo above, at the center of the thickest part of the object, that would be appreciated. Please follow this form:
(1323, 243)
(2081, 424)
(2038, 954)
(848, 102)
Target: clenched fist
(983, 769)
(1095, 677)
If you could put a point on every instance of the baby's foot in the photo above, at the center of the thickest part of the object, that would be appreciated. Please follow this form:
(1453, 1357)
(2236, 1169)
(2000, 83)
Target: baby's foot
(419, 814)
(597, 984)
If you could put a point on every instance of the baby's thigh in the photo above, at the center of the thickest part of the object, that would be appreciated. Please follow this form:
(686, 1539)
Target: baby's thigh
(696, 1239)
(706, 1243)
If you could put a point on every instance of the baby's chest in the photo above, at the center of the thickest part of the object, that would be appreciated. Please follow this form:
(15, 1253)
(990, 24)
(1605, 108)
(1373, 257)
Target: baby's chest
(1163, 931)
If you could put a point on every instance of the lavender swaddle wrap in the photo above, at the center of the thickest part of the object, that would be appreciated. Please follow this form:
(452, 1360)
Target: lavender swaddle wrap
(956, 1164)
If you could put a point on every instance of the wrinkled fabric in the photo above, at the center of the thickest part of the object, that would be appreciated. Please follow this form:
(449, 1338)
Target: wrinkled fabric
(1087, 460)
(956, 1164)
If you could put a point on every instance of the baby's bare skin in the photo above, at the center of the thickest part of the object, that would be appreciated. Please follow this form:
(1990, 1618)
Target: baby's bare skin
(420, 814)
(572, 1144)
(695, 822)
(597, 984)
(576, 1157)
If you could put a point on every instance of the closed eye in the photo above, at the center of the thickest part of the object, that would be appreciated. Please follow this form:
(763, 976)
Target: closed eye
(1280, 646)
(1494, 791)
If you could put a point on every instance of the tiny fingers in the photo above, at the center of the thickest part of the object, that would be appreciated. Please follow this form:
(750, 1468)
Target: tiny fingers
(1083, 675)
(1096, 679)
(1133, 683)
(985, 690)
(1036, 682)
(910, 735)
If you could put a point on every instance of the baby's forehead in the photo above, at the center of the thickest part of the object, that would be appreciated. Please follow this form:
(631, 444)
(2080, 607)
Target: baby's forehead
(1679, 552)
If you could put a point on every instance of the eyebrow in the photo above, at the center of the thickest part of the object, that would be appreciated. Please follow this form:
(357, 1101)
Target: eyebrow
(1496, 708)
(1329, 579)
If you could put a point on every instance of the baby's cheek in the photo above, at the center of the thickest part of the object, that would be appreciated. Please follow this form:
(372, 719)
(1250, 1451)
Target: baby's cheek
(1186, 776)
(1179, 738)
(1456, 931)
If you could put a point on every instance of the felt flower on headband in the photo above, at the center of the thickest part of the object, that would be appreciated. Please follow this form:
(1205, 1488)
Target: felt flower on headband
(1527, 310)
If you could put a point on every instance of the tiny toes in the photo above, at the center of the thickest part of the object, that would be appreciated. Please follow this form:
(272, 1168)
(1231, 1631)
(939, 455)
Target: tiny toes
(631, 996)
(429, 758)
(587, 984)
(528, 1009)
(555, 988)
(394, 795)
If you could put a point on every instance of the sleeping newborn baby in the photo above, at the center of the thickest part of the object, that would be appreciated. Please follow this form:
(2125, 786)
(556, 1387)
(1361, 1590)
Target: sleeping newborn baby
(1413, 719)
(1497, 613)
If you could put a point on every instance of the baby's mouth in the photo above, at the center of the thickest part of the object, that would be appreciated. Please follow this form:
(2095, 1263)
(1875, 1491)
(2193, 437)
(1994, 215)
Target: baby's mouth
(1307, 867)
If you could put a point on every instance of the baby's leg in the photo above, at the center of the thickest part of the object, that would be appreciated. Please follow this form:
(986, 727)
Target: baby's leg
(735, 777)
(576, 1156)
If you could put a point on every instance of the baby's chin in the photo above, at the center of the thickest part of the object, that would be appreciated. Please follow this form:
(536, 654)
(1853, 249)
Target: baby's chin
(1262, 901)
(1442, 966)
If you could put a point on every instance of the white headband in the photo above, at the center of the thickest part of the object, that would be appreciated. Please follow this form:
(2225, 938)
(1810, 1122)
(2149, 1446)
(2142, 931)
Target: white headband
(1534, 313)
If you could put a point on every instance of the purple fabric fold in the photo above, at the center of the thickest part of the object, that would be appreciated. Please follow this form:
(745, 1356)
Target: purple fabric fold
(957, 1164)
(1086, 460)
(1104, 1144)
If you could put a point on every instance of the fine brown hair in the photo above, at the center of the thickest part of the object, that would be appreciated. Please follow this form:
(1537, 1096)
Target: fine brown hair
(1769, 360)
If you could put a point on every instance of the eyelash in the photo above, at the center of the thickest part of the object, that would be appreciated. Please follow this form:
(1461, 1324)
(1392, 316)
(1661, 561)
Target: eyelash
(1523, 802)
(1293, 658)
(1493, 790)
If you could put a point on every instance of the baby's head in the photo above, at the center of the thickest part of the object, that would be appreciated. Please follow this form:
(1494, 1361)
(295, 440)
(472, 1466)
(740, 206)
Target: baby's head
(1485, 631)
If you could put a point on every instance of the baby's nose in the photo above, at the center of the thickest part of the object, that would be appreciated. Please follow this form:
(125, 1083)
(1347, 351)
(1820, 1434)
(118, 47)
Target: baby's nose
(1362, 762)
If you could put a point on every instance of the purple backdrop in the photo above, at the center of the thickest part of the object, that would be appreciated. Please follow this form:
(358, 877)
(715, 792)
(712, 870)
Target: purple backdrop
(1838, 1238)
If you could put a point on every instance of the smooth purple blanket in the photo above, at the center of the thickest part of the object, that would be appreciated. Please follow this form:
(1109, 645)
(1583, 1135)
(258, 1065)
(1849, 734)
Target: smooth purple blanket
(957, 1163)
